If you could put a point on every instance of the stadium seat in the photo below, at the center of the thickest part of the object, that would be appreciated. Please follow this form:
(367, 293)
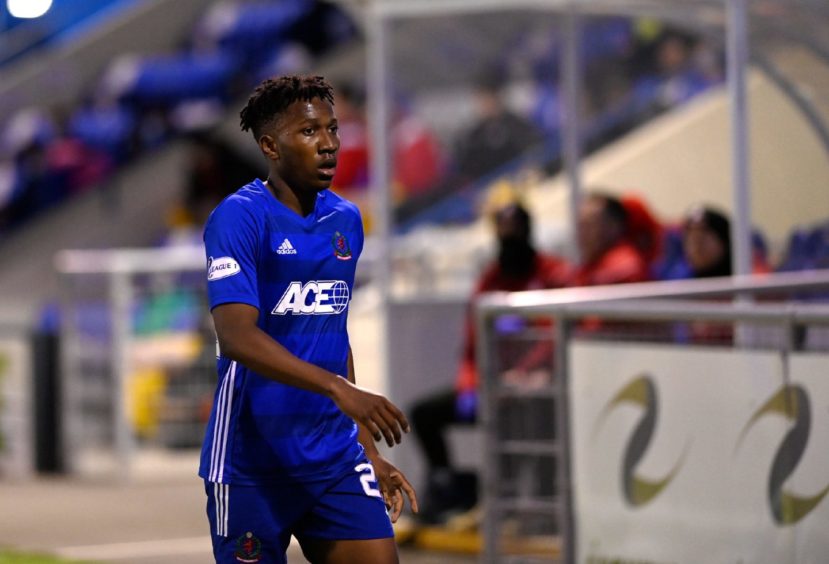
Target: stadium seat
(108, 128)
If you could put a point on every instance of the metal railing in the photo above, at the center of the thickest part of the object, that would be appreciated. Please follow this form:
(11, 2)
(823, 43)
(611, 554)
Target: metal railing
(137, 354)
(637, 315)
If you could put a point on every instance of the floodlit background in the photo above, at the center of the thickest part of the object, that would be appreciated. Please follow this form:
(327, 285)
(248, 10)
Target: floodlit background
(119, 133)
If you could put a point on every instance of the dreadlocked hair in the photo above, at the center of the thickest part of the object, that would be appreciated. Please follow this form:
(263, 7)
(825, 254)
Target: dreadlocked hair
(274, 95)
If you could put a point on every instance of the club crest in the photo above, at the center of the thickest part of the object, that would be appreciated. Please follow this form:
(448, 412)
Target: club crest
(248, 548)
(341, 248)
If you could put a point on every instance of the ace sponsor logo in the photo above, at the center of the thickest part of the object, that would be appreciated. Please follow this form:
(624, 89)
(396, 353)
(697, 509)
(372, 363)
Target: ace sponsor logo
(317, 297)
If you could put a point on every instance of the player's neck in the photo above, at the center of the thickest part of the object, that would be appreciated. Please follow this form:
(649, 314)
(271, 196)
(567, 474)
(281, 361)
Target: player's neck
(302, 203)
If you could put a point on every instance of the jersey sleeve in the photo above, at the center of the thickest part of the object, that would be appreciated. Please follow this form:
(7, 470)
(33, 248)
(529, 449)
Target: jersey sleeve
(361, 237)
(231, 241)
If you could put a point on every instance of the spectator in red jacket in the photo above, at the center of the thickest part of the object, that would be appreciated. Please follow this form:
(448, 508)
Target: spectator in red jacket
(518, 266)
(607, 254)
(352, 158)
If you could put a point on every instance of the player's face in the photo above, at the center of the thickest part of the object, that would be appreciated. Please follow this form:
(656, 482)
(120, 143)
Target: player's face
(307, 144)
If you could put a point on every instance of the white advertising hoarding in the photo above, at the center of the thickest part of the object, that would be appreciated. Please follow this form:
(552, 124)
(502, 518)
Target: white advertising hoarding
(807, 485)
(697, 455)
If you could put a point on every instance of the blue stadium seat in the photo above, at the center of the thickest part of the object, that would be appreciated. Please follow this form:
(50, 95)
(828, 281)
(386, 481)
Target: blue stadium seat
(254, 31)
(106, 128)
(171, 79)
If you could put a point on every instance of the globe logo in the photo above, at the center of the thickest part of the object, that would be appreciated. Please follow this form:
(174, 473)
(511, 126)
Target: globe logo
(316, 297)
(339, 296)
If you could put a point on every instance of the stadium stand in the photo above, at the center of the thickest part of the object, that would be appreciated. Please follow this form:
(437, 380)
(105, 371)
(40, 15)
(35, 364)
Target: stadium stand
(142, 100)
(120, 158)
(145, 102)
(62, 22)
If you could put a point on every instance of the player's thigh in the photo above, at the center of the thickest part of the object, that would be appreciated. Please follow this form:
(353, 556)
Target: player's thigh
(349, 516)
(371, 551)
(251, 523)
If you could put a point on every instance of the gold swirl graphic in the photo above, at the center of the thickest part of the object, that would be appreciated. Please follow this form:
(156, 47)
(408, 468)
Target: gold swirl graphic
(791, 402)
(641, 392)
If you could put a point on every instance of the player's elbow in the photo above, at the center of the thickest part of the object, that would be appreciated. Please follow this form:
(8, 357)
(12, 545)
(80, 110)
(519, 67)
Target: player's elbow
(236, 329)
(231, 345)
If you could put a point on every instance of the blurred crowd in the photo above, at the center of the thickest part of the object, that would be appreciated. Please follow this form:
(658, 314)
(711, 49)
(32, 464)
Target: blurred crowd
(619, 241)
(49, 155)
(633, 70)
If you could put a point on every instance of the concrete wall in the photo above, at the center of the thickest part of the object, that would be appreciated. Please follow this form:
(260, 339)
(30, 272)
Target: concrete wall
(684, 158)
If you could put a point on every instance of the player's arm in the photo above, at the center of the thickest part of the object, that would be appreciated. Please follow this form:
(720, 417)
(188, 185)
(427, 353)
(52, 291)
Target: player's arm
(240, 339)
(392, 482)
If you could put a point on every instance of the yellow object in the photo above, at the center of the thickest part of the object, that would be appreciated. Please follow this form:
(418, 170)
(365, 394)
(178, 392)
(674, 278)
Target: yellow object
(499, 195)
(145, 393)
(648, 29)
(443, 539)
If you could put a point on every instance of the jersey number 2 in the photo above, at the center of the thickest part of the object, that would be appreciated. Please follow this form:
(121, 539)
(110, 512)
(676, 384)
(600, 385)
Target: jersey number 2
(367, 478)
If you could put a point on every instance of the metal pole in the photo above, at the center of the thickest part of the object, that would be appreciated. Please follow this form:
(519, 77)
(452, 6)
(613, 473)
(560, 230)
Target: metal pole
(571, 120)
(378, 101)
(68, 377)
(486, 360)
(737, 57)
(121, 298)
(562, 421)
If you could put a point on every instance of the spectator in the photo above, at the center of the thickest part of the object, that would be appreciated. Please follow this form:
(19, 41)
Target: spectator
(214, 168)
(352, 158)
(519, 266)
(706, 252)
(105, 126)
(607, 254)
(498, 137)
(676, 76)
(706, 246)
(706, 243)
(418, 158)
(644, 230)
(76, 166)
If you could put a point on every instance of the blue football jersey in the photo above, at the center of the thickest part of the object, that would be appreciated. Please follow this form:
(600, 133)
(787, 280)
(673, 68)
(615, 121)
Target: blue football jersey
(299, 273)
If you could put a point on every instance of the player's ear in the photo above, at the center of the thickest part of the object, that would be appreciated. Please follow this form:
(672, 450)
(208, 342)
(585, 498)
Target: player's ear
(268, 146)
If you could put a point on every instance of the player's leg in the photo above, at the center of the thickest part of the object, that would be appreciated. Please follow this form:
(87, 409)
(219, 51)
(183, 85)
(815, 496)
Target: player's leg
(247, 524)
(372, 551)
(349, 523)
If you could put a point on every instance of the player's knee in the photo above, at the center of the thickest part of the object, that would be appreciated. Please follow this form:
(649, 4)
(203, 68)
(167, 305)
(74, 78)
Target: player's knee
(374, 551)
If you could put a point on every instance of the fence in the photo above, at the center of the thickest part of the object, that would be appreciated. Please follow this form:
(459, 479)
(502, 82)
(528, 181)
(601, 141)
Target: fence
(658, 428)
(138, 361)
(17, 405)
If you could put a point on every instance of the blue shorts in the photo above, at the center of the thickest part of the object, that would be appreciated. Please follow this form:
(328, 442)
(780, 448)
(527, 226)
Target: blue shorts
(255, 523)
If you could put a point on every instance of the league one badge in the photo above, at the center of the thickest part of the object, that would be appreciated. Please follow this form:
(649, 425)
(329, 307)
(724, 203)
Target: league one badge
(341, 249)
(248, 548)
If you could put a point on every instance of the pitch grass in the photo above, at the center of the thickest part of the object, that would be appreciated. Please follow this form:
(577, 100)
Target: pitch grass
(11, 557)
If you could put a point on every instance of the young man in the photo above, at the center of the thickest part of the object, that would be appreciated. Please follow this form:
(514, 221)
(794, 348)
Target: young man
(608, 256)
(283, 455)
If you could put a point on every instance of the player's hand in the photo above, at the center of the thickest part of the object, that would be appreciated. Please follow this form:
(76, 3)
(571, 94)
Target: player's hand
(377, 414)
(393, 485)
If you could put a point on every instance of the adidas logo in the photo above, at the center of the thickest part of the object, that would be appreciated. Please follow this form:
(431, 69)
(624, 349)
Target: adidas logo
(286, 248)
